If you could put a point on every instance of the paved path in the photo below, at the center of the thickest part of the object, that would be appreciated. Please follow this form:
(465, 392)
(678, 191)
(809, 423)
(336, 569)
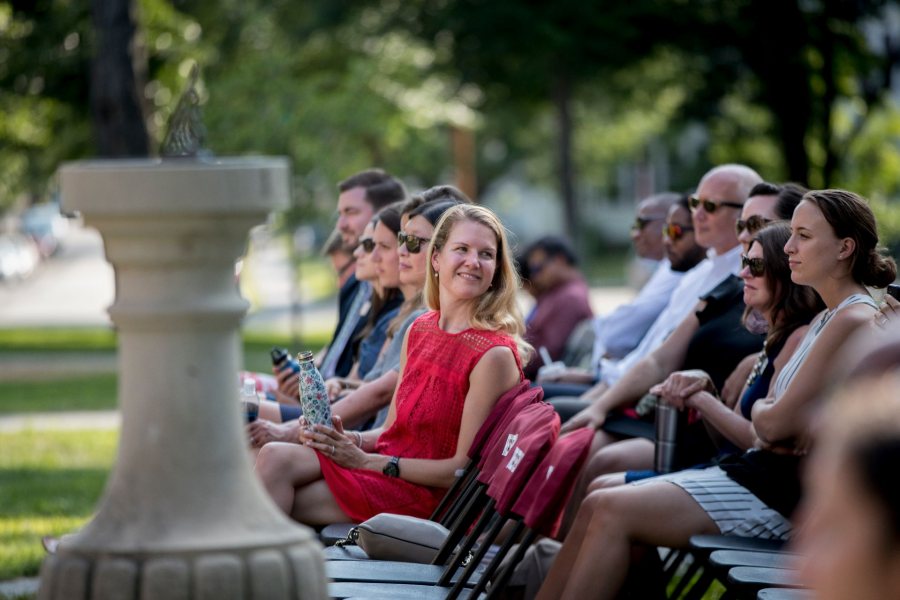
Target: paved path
(19, 587)
(74, 420)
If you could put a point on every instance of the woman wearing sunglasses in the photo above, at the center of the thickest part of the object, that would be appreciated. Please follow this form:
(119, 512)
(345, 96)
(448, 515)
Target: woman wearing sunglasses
(833, 248)
(458, 359)
(363, 407)
(376, 264)
(786, 309)
(359, 408)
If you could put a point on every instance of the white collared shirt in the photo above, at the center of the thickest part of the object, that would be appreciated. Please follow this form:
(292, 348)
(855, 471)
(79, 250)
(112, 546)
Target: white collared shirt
(620, 331)
(697, 282)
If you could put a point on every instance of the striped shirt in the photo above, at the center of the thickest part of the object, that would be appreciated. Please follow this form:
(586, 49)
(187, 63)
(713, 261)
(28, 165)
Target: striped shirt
(815, 329)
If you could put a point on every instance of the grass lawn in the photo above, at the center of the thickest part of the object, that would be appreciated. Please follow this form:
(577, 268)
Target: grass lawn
(50, 482)
(86, 392)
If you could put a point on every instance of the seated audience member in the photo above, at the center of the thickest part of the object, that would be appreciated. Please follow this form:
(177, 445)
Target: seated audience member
(833, 249)
(710, 338)
(359, 406)
(617, 333)
(716, 207)
(340, 256)
(386, 298)
(361, 196)
(849, 532)
(787, 309)
(562, 298)
(468, 347)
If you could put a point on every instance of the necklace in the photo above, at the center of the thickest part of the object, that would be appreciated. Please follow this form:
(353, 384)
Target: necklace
(762, 361)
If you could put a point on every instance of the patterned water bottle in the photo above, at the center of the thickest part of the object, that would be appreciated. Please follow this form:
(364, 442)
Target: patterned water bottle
(313, 397)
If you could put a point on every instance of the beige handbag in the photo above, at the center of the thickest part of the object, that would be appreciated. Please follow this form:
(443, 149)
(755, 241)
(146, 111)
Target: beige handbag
(399, 537)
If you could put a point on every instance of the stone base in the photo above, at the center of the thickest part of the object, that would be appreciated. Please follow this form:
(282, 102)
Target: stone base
(273, 572)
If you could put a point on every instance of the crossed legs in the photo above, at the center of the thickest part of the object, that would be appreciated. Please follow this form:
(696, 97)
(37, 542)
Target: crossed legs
(293, 478)
(596, 555)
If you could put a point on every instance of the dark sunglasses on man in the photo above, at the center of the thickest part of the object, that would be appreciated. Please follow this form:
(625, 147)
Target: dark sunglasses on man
(641, 222)
(675, 232)
(413, 243)
(752, 224)
(368, 244)
(710, 206)
(756, 265)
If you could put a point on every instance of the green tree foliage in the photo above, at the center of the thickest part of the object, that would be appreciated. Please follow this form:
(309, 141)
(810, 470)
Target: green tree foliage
(567, 89)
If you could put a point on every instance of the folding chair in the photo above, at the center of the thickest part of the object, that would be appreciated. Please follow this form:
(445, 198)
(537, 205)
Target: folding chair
(699, 551)
(537, 510)
(528, 438)
(510, 403)
(785, 594)
(747, 582)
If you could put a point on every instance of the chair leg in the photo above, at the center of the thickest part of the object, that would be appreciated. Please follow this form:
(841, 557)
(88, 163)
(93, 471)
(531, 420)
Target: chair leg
(458, 532)
(471, 539)
(673, 560)
(505, 574)
(703, 584)
(495, 563)
(685, 579)
(476, 560)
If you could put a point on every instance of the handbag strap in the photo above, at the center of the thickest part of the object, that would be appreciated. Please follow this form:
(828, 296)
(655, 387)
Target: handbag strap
(352, 539)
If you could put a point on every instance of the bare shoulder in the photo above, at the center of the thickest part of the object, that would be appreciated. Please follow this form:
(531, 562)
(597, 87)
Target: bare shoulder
(853, 316)
(497, 357)
(790, 346)
(845, 322)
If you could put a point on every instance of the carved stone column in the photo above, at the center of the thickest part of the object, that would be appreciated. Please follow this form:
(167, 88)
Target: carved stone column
(182, 515)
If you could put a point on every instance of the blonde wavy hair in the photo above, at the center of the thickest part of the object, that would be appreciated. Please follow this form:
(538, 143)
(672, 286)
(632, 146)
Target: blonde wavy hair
(497, 309)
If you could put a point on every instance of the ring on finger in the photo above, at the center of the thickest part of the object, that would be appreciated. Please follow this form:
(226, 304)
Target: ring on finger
(332, 449)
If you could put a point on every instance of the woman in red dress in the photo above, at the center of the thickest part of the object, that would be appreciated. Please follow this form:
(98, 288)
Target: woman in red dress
(458, 360)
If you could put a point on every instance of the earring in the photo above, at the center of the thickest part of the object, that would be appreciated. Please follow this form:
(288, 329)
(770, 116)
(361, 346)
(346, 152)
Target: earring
(435, 274)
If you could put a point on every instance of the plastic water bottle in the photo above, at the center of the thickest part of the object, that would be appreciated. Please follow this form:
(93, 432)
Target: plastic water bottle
(250, 400)
(313, 396)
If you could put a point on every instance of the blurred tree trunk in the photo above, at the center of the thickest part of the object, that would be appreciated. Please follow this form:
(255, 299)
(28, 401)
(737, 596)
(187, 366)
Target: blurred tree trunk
(464, 161)
(562, 99)
(119, 126)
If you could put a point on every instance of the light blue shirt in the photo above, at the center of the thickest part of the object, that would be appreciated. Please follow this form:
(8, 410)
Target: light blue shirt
(697, 282)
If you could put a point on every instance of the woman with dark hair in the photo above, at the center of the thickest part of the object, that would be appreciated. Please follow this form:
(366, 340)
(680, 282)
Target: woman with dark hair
(833, 249)
(786, 309)
(361, 405)
(387, 298)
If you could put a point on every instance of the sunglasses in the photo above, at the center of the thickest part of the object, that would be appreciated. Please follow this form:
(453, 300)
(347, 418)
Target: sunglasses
(675, 232)
(413, 242)
(756, 265)
(711, 206)
(752, 224)
(641, 222)
(368, 244)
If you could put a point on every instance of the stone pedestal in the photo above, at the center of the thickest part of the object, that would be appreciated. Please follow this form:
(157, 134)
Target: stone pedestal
(182, 515)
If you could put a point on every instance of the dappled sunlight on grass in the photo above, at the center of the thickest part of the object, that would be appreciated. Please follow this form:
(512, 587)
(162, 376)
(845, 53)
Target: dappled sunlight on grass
(50, 482)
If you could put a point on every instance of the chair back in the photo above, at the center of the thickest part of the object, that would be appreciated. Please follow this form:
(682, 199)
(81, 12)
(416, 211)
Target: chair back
(544, 498)
(506, 407)
(517, 452)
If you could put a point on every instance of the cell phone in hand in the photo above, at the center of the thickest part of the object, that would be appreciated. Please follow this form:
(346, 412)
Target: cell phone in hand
(894, 290)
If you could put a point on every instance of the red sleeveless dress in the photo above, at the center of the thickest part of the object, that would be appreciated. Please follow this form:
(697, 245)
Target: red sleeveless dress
(429, 411)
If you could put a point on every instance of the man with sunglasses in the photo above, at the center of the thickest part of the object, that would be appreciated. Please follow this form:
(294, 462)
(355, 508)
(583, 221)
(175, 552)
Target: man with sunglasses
(617, 333)
(561, 294)
(715, 208)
